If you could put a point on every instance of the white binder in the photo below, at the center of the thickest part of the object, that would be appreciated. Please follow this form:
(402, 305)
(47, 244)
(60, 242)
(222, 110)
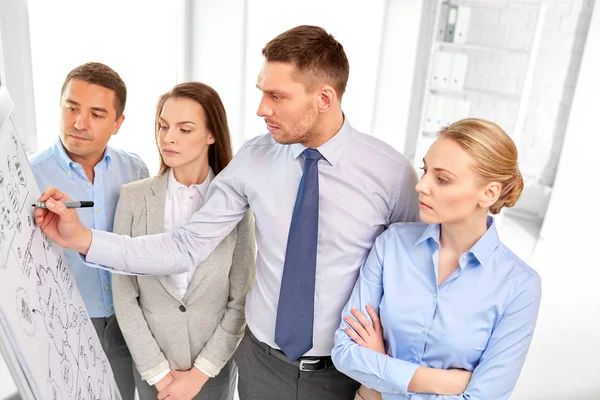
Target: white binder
(448, 114)
(441, 70)
(458, 72)
(435, 78)
(441, 107)
(446, 68)
(462, 24)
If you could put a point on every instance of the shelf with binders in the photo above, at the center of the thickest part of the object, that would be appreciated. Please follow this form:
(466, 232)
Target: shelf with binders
(459, 27)
(482, 56)
(471, 50)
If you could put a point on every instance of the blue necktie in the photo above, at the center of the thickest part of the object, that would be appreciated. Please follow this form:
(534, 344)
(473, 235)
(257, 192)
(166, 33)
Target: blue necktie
(295, 312)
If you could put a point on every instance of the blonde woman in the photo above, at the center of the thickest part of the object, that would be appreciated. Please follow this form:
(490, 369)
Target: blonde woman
(183, 329)
(442, 309)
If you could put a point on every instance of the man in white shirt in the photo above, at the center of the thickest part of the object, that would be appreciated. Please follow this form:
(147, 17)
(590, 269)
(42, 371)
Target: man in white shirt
(321, 192)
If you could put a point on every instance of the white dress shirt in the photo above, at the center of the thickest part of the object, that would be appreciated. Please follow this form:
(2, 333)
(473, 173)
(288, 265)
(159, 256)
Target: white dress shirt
(364, 186)
(180, 203)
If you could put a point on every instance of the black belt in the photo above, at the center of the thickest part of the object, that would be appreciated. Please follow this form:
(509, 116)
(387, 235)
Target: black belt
(303, 363)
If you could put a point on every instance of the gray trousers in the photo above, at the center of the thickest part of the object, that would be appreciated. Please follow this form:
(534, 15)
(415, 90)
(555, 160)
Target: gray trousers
(264, 376)
(118, 354)
(221, 387)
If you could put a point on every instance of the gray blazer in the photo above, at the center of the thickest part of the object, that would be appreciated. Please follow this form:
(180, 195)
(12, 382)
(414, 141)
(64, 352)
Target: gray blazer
(205, 327)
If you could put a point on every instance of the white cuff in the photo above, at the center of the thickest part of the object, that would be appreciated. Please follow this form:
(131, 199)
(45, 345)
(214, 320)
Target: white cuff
(104, 249)
(154, 380)
(205, 368)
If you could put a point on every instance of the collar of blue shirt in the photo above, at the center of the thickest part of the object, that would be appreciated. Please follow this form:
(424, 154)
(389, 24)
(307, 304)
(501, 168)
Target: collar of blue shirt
(482, 249)
(65, 161)
(331, 150)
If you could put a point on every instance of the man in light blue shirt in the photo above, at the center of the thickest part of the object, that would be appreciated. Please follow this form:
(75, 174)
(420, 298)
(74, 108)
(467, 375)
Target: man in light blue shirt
(321, 192)
(81, 164)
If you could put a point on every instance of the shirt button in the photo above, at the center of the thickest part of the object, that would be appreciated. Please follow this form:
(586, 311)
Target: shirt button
(396, 392)
(191, 197)
(422, 329)
(108, 309)
(182, 308)
(106, 287)
(98, 209)
(89, 184)
(416, 358)
(434, 295)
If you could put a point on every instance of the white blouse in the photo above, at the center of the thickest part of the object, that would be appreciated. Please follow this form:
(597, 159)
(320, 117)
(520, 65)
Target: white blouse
(181, 202)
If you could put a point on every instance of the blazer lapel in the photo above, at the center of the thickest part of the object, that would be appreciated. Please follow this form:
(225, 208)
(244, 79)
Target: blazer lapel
(155, 205)
(197, 278)
(155, 217)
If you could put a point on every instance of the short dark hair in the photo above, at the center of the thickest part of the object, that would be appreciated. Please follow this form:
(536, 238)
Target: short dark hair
(311, 50)
(220, 152)
(101, 75)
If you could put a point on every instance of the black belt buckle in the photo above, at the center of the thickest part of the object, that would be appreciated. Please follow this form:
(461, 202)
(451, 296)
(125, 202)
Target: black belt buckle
(307, 364)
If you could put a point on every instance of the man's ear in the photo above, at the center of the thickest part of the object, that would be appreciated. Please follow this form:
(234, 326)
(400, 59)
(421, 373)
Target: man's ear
(327, 96)
(118, 123)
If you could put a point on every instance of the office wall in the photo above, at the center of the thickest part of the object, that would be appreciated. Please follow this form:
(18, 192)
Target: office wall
(144, 51)
(563, 360)
(380, 38)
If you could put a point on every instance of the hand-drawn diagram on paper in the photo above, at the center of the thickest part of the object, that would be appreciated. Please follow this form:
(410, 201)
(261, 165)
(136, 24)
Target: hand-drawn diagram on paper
(40, 305)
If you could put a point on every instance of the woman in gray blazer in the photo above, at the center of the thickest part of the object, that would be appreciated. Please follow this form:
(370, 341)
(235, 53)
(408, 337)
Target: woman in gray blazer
(182, 330)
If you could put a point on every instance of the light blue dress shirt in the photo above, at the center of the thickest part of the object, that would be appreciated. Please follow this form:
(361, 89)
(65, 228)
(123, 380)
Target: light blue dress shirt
(481, 318)
(364, 186)
(53, 167)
